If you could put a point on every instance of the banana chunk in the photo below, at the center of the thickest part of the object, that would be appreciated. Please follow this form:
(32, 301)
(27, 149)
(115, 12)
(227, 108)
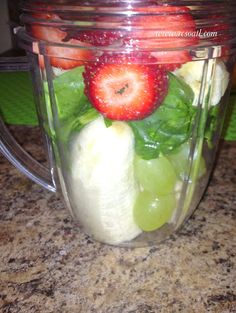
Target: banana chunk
(102, 183)
(220, 82)
(192, 73)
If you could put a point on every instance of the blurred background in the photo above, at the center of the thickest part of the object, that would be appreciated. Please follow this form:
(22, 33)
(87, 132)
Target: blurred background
(9, 18)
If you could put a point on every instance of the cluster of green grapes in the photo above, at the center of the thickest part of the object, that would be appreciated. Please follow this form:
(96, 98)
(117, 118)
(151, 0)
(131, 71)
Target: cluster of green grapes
(157, 180)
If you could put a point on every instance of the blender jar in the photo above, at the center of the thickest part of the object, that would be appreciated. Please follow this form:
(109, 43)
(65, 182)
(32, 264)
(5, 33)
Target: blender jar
(131, 97)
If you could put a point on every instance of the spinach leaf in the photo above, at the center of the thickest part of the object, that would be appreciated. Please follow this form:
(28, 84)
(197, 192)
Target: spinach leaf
(211, 125)
(69, 93)
(73, 107)
(170, 124)
(107, 121)
(75, 124)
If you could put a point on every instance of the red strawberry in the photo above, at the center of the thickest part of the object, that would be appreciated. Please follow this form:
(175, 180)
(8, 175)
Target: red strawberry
(179, 57)
(99, 38)
(125, 91)
(44, 32)
(134, 57)
(221, 31)
(107, 32)
(149, 33)
(68, 57)
(60, 56)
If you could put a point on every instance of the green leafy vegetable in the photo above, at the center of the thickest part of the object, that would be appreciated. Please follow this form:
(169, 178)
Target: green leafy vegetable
(69, 92)
(75, 124)
(212, 125)
(198, 167)
(107, 121)
(170, 125)
(73, 107)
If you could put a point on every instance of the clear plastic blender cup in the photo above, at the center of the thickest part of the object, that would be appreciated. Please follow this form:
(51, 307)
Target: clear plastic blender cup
(131, 97)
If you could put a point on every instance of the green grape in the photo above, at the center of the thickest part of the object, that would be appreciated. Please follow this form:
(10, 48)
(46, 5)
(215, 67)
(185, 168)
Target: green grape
(202, 167)
(156, 175)
(180, 161)
(152, 212)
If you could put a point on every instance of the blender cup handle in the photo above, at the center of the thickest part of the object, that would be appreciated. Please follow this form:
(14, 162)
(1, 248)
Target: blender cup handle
(23, 161)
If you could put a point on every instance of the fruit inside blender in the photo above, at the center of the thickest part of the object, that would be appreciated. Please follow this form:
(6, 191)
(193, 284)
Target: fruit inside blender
(125, 121)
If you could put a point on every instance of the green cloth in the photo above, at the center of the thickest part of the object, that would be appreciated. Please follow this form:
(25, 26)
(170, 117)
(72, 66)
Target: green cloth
(16, 99)
(17, 103)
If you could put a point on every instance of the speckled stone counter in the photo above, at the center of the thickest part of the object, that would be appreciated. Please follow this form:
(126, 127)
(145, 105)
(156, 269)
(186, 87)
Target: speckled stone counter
(48, 266)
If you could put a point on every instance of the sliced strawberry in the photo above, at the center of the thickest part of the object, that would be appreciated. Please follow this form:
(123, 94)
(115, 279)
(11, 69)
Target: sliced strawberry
(45, 32)
(166, 27)
(134, 57)
(179, 57)
(164, 19)
(99, 38)
(125, 91)
(60, 56)
(105, 33)
(68, 57)
(221, 31)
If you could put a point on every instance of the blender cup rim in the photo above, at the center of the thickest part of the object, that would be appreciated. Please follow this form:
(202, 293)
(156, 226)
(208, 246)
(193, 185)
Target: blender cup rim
(124, 7)
(73, 17)
(40, 47)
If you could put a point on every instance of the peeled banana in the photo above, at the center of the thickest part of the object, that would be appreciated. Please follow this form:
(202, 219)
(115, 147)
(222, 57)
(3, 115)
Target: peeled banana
(102, 183)
(217, 77)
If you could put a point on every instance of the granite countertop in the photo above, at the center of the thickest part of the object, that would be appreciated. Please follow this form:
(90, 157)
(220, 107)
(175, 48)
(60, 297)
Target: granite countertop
(48, 266)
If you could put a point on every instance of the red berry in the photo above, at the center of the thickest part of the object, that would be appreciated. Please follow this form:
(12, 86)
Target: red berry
(105, 33)
(68, 57)
(166, 27)
(221, 30)
(45, 32)
(60, 56)
(125, 91)
(132, 57)
(178, 58)
(99, 38)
